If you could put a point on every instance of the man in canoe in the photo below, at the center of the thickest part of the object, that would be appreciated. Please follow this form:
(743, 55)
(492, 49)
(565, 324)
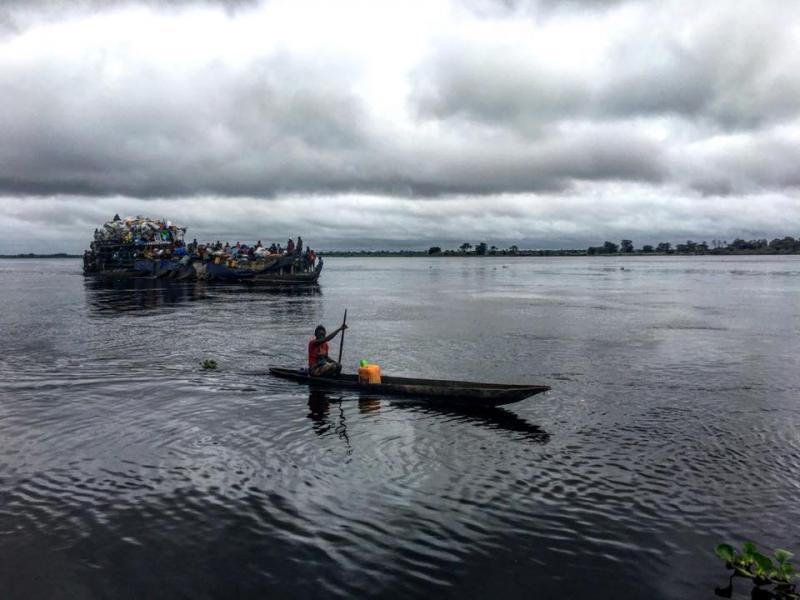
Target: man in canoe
(319, 363)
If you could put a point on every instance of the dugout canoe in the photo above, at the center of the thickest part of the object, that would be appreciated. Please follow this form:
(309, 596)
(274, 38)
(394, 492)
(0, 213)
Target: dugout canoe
(464, 393)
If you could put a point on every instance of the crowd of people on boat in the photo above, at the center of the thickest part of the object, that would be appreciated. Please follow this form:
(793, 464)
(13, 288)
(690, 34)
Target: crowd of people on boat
(249, 253)
(156, 239)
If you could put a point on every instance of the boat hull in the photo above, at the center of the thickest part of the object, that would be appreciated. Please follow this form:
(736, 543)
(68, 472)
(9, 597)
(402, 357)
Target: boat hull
(279, 272)
(113, 274)
(463, 393)
(162, 267)
(220, 273)
(278, 278)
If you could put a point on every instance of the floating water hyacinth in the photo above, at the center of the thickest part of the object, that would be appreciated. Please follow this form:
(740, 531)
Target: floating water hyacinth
(762, 569)
(209, 363)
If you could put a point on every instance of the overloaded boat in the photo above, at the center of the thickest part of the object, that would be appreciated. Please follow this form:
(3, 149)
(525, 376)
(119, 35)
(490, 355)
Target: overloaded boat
(142, 247)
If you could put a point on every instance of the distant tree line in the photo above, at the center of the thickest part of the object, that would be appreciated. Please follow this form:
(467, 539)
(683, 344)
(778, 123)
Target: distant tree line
(785, 245)
(32, 255)
(481, 249)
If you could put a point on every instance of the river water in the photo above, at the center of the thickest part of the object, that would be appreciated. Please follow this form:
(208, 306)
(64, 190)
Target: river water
(126, 470)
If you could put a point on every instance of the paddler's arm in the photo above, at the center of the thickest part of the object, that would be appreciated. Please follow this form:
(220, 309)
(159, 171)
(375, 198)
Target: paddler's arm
(332, 334)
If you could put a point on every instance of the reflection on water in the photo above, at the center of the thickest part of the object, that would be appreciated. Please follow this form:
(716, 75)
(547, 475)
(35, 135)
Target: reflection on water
(143, 293)
(495, 418)
(319, 407)
(491, 417)
(786, 591)
(367, 405)
(319, 401)
(129, 295)
(324, 421)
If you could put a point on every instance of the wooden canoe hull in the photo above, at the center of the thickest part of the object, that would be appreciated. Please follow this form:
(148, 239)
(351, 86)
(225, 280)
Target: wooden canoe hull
(465, 393)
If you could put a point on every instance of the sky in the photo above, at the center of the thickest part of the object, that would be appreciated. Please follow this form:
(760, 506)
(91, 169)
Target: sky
(388, 125)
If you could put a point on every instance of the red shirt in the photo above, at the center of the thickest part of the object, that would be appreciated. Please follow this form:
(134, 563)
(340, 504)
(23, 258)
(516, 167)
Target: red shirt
(315, 350)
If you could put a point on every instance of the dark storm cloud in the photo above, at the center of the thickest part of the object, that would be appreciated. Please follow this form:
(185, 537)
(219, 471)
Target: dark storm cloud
(727, 71)
(495, 87)
(735, 70)
(281, 126)
(743, 163)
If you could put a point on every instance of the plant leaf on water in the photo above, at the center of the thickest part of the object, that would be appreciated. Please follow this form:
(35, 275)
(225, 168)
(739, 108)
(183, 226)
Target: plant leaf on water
(725, 551)
(763, 562)
(748, 549)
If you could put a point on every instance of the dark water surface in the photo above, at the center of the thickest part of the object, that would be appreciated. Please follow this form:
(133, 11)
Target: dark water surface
(128, 471)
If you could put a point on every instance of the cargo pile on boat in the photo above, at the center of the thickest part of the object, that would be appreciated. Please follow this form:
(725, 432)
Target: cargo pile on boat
(142, 247)
(138, 231)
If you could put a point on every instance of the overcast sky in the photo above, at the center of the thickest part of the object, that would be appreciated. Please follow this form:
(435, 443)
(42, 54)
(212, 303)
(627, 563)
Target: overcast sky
(391, 124)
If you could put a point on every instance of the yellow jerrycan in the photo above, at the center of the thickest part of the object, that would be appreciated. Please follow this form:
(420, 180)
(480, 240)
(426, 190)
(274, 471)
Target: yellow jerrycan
(369, 373)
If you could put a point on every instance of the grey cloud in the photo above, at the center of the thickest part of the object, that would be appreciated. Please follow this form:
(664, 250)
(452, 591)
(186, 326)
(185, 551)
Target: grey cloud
(280, 126)
(42, 5)
(536, 7)
(700, 76)
(710, 184)
(750, 165)
(732, 69)
(600, 153)
(18, 15)
(492, 86)
(57, 8)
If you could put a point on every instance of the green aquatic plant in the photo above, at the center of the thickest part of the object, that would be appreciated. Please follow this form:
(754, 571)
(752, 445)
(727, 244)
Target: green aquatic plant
(209, 363)
(783, 569)
(761, 569)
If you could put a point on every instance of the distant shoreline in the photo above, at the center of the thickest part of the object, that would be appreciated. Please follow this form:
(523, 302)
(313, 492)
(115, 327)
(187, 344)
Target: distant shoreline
(539, 253)
(455, 254)
(31, 255)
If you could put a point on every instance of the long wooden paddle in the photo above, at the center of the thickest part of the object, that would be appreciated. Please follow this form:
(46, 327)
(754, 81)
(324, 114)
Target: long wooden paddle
(341, 340)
